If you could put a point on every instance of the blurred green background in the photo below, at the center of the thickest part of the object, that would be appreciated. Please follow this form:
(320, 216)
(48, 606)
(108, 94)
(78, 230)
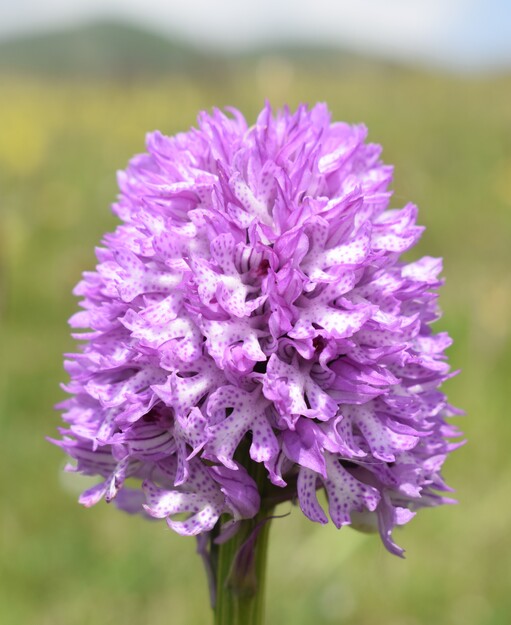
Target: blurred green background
(62, 137)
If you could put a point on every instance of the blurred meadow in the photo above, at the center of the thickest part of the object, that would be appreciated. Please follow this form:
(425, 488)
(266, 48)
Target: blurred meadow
(61, 141)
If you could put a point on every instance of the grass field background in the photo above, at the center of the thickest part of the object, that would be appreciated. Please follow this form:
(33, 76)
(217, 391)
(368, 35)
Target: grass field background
(60, 145)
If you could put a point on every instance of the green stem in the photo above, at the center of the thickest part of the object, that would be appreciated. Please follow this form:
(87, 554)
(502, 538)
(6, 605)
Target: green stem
(240, 573)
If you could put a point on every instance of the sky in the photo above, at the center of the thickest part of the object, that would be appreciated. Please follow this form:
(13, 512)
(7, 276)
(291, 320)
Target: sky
(461, 34)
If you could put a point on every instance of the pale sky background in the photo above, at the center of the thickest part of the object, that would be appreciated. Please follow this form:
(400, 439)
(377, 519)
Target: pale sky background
(464, 34)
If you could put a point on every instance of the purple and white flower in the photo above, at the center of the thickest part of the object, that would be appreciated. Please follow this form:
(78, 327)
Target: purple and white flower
(253, 308)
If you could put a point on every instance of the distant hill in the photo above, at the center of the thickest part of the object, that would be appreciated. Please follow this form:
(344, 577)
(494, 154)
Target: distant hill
(100, 49)
(120, 50)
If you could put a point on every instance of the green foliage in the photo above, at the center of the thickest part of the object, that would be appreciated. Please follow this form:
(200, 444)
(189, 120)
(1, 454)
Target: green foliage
(60, 144)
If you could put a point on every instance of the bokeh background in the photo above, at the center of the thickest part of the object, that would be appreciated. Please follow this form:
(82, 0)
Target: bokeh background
(80, 85)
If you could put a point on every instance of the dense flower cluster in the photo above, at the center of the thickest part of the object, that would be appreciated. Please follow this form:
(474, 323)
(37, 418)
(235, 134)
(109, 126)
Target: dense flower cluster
(253, 308)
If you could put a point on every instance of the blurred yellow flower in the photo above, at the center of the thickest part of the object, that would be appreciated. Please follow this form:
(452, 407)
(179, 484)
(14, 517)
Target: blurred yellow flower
(25, 138)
